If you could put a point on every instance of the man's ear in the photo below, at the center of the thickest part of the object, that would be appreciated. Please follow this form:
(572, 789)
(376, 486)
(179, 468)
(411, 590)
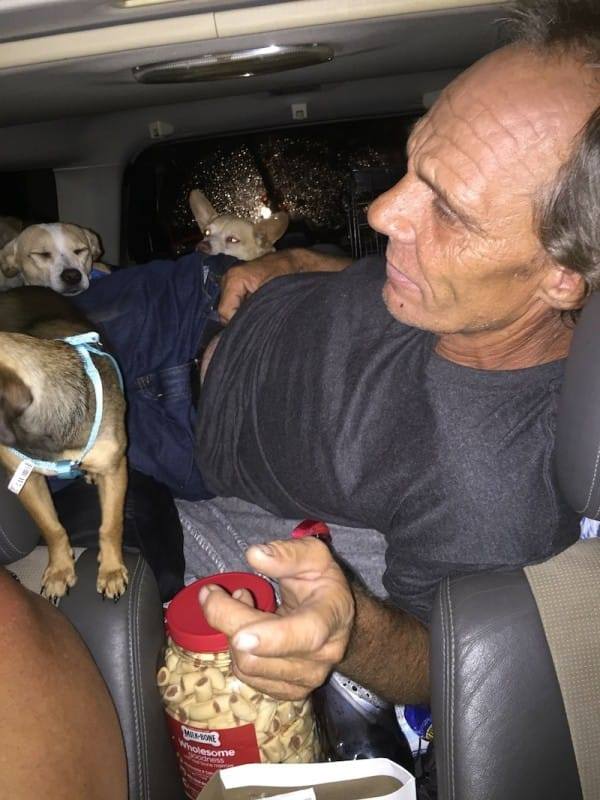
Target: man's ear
(15, 398)
(268, 231)
(563, 288)
(202, 210)
(8, 259)
(93, 241)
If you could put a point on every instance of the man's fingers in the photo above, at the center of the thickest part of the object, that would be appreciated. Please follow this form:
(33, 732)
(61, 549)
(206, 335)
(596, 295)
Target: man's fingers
(226, 613)
(302, 633)
(244, 596)
(228, 307)
(290, 680)
(294, 558)
(276, 689)
(236, 285)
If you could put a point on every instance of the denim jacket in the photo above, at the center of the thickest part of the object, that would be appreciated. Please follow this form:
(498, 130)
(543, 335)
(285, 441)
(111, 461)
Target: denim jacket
(155, 319)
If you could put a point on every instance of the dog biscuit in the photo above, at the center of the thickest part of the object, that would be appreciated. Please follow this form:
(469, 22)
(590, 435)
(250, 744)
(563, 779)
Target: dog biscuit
(216, 677)
(203, 692)
(173, 693)
(163, 676)
(242, 709)
(264, 717)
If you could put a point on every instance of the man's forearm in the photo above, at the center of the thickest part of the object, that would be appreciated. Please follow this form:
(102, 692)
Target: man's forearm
(388, 651)
(302, 260)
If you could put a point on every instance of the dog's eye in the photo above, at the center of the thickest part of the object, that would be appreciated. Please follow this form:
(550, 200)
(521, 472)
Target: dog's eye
(207, 232)
(80, 250)
(232, 240)
(43, 254)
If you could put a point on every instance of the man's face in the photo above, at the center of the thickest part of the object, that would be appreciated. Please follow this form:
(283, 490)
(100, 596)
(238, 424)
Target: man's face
(462, 254)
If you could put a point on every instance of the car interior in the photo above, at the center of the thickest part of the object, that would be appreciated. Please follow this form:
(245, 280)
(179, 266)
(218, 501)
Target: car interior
(112, 111)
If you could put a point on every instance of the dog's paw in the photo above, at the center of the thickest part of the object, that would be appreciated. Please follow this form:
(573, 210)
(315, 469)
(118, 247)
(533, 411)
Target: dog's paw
(56, 582)
(112, 581)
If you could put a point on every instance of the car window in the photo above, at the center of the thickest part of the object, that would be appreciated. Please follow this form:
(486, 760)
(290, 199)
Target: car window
(323, 175)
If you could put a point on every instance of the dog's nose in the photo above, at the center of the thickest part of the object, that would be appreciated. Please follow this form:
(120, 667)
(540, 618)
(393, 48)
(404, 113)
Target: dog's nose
(71, 276)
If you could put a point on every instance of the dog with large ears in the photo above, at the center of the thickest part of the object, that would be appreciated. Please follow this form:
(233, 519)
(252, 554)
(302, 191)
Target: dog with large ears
(58, 255)
(234, 236)
(50, 396)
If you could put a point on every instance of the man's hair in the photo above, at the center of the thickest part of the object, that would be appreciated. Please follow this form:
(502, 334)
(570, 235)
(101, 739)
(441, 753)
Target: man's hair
(566, 24)
(569, 214)
(568, 211)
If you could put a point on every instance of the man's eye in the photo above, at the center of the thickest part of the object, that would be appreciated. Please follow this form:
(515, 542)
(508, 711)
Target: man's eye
(232, 240)
(80, 250)
(442, 211)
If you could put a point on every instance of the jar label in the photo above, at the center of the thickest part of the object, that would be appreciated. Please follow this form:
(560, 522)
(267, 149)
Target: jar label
(201, 753)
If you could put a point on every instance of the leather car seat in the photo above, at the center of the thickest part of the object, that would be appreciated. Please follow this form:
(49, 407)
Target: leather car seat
(515, 656)
(124, 638)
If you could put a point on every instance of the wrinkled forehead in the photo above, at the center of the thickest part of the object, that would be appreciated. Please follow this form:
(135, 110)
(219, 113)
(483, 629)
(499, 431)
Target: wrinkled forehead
(511, 117)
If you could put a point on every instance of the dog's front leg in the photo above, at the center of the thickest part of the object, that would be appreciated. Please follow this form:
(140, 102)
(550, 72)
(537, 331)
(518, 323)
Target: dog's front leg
(112, 573)
(59, 575)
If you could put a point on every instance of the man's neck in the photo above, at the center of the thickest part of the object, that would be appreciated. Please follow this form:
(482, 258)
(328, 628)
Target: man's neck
(524, 343)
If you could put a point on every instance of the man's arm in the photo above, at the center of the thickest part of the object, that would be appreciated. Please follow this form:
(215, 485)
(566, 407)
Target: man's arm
(244, 279)
(388, 651)
(321, 624)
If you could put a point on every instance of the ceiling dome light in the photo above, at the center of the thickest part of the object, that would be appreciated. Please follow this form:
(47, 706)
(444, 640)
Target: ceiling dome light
(242, 63)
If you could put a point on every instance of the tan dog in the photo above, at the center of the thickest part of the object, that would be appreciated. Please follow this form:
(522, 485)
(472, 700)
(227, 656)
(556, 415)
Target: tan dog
(47, 407)
(224, 233)
(10, 227)
(58, 255)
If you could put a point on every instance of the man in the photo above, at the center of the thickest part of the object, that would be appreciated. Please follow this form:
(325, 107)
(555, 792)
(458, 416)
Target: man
(416, 397)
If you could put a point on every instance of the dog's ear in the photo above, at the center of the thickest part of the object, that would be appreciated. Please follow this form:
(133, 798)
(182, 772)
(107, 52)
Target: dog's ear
(8, 259)
(268, 231)
(15, 397)
(93, 241)
(202, 210)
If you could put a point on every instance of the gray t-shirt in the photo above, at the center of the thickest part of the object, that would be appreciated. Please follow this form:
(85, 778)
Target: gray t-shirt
(319, 404)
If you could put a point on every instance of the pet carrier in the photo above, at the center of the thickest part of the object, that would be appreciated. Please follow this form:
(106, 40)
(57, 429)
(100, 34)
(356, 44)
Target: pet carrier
(364, 185)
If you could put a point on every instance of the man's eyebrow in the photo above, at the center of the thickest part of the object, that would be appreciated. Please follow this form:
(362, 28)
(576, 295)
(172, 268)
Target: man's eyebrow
(467, 219)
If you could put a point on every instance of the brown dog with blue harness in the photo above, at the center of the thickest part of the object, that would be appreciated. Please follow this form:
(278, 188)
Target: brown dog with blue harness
(62, 412)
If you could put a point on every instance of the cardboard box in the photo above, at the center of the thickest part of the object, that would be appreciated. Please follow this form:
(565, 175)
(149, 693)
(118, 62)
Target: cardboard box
(368, 779)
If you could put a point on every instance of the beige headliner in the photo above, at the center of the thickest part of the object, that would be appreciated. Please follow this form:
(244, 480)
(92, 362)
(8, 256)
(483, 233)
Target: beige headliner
(210, 26)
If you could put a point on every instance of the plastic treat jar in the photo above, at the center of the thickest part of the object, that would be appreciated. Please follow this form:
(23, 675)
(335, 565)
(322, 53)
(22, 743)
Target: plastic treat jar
(215, 720)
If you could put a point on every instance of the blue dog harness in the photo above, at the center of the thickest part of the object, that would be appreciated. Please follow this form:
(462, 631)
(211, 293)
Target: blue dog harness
(66, 469)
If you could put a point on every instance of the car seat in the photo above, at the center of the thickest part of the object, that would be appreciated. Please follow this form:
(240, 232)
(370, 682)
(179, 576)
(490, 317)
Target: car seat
(124, 638)
(515, 654)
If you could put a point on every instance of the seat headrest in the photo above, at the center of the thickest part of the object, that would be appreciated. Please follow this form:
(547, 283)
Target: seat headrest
(578, 431)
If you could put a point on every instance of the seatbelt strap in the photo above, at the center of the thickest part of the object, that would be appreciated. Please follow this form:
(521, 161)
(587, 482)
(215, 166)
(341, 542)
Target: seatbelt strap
(565, 589)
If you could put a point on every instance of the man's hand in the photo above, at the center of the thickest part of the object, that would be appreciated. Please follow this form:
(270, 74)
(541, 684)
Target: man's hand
(290, 653)
(244, 279)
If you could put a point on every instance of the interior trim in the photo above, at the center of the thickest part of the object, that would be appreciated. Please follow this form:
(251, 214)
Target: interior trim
(111, 39)
(304, 13)
(209, 26)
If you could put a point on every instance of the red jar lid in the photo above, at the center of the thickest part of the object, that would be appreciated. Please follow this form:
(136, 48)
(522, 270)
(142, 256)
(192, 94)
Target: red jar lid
(185, 620)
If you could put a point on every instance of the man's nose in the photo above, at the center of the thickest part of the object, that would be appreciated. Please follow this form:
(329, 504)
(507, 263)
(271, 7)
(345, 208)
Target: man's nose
(71, 276)
(394, 213)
